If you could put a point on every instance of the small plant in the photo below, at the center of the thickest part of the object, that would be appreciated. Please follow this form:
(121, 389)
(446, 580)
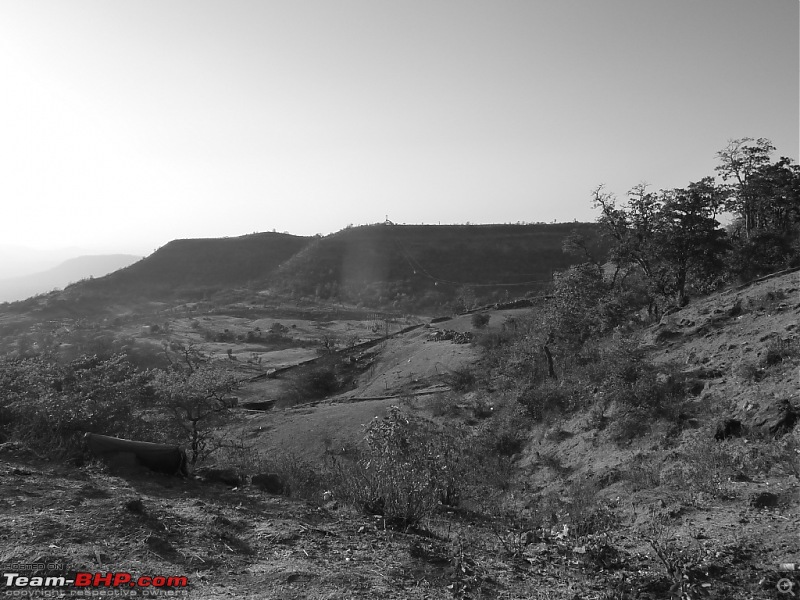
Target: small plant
(507, 433)
(546, 400)
(629, 425)
(301, 478)
(748, 370)
(482, 409)
(550, 461)
(779, 351)
(462, 380)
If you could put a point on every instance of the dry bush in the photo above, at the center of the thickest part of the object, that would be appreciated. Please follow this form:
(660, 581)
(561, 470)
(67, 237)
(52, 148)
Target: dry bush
(480, 320)
(443, 405)
(461, 380)
(710, 466)
(49, 406)
(779, 351)
(547, 400)
(310, 384)
(506, 434)
(406, 468)
(748, 371)
(301, 478)
(643, 471)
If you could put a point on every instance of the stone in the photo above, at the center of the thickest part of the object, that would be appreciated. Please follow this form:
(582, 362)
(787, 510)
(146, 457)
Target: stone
(764, 500)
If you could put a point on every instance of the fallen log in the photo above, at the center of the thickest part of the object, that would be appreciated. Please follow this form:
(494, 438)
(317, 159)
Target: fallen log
(162, 458)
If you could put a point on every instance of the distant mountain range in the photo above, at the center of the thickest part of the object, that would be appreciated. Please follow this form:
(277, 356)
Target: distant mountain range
(58, 277)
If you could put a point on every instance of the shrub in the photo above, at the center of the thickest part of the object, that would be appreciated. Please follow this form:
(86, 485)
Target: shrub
(633, 423)
(747, 370)
(480, 320)
(778, 351)
(461, 380)
(321, 382)
(482, 409)
(506, 435)
(50, 406)
(301, 478)
(492, 340)
(406, 469)
(635, 383)
(311, 384)
(196, 403)
(545, 400)
(443, 405)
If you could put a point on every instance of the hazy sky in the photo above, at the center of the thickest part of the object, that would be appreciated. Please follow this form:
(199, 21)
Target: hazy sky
(128, 123)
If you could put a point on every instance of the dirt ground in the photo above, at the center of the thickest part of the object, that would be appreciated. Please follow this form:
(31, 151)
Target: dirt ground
(240, 542)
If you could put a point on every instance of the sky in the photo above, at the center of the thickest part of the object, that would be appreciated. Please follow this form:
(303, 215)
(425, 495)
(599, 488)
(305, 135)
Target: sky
(126, 124)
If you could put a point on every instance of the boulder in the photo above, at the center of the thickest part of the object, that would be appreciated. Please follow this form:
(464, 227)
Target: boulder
(778, 417)
(764, 500)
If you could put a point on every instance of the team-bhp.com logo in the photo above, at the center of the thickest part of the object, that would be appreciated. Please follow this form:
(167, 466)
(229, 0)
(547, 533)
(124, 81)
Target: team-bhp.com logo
(83, 580)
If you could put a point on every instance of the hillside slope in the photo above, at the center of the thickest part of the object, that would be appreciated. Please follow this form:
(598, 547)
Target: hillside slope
(666, 511)
(204, 264)
(385, 263)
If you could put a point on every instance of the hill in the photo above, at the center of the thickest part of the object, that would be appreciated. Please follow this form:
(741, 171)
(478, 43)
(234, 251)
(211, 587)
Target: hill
(408, 268)
(192, 266)
(429, 265)
(69, 271)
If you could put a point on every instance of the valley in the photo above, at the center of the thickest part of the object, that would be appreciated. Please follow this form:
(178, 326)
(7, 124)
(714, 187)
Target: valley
(419, 455)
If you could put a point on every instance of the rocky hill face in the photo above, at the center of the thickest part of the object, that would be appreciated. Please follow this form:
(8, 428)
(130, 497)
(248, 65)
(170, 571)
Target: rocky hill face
(432, 264)
(735, 345)
(194, 265)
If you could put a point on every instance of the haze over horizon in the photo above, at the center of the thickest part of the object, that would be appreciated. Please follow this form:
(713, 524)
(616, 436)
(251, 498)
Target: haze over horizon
(130, 124)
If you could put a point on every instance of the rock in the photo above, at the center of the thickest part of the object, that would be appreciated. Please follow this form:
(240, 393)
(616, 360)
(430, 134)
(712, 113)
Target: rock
(779, 418)
(729, 428)
(764, 500)
(666, 333)
(135, 505)
(694, 387)
(272, 483)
